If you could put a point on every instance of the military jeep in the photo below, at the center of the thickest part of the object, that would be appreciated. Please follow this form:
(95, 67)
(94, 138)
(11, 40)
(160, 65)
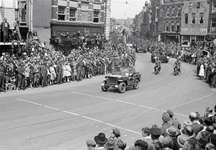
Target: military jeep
(121, 80)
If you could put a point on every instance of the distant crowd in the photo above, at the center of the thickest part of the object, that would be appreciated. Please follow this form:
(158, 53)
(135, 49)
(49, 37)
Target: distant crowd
(196, 133)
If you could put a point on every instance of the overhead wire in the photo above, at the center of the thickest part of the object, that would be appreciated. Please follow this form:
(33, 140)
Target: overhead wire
(125, 3)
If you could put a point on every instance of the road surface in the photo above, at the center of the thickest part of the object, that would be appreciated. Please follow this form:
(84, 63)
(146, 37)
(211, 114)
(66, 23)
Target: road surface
(63, 117)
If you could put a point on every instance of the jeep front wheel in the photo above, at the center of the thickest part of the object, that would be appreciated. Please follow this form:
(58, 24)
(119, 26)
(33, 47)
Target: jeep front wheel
(104, 89)
(136, 84)
(122, 87)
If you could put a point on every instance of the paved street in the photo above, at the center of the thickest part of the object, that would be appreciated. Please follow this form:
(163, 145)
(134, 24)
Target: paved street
(63, 117)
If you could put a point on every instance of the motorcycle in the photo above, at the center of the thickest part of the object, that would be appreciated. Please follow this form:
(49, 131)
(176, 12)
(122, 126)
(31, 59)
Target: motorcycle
(176, 71)
(156, 70)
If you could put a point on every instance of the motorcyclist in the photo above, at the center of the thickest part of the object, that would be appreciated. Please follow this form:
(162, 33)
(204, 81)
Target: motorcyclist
(177, 65)
(157, 64)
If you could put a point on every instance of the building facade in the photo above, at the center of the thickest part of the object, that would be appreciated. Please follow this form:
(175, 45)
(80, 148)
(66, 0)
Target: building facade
(172, 20)
(156, 18)
(194, 20)
(77, 15)
(212, 20)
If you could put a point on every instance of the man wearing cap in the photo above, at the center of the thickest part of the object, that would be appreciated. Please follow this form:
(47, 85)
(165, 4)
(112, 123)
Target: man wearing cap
(173, 120)
(155, 134)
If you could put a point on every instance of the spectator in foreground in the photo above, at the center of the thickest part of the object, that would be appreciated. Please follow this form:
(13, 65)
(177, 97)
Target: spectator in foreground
(173, 120)
(100, 140)
(170, 140)
(166, 123)
(143, 145)
(146, 135)
(155, 134)
(115, 136)
(197, 127)
(121, 145)
(91, 144)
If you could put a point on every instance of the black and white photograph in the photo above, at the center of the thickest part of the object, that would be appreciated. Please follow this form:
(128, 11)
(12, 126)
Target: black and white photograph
(107, 74)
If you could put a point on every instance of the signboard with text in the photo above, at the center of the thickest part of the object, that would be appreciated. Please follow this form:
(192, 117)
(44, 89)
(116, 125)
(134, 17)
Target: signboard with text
(194, 31)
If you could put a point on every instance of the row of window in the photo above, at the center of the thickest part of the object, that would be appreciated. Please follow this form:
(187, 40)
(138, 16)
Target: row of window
(176, 28)
(193, 18)
(172, 27)
(73, 14)
(173, 12)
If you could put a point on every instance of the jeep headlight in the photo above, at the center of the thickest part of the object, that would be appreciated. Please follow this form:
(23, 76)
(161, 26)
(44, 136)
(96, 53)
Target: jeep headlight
(167, 57)
(155, 57)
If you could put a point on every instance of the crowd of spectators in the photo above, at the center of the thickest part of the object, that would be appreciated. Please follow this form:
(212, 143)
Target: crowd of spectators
(196, 133)
(34, 65)
(201, 54)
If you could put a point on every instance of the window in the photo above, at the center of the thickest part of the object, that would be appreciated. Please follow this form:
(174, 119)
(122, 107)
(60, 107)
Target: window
(177, 27)
(61, 13)
(193, 18)
(190, 5)
(22, 11)
(186, 18)
(213, 25)
(172, 27)
(72, 16)
(156, 13)
(213, 7)
(179, 12)
(167, 27)
(201, 18)
(173, 12)
(167, 13)
(96, 16)
(198, 5)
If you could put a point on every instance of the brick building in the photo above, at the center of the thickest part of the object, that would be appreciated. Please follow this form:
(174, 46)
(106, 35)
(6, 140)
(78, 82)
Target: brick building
(194, 20)
(172, 10)
(76, 15)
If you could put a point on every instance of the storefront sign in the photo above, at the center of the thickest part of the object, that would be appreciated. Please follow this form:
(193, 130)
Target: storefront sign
(194, 31)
